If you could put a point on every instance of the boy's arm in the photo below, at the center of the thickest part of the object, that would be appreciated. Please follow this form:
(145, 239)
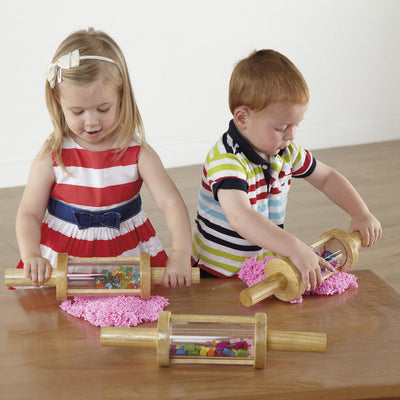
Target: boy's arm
(259, 230)
(341, 192)
(29, 218)
(170, 203)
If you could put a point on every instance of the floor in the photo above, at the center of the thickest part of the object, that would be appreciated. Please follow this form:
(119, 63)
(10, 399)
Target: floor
(372, 168)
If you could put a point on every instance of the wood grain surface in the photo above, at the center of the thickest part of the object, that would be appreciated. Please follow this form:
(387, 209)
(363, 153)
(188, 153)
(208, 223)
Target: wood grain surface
(48, 354)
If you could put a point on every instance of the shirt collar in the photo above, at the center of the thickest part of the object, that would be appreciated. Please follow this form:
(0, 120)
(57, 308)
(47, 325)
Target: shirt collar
(244, 146)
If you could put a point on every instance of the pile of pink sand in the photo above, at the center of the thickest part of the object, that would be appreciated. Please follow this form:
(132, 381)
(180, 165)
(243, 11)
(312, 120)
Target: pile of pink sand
(122, 311)
(252, 272)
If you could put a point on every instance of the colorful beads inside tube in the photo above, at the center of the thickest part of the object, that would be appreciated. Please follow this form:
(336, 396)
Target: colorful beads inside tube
(229, 348)
(118, 278)
(330, 257)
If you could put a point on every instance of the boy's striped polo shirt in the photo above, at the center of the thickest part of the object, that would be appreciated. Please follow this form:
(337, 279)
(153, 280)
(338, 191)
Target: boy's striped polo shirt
(233, 164)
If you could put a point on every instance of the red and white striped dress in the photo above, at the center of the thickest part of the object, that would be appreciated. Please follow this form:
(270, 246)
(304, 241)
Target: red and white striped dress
(98, 181)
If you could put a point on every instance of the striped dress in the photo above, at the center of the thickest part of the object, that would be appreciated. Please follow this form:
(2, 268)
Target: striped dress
(233, 164)
(98, 181)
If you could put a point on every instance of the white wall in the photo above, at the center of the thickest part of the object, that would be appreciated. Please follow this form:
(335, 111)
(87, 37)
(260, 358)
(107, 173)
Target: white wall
(181, 53)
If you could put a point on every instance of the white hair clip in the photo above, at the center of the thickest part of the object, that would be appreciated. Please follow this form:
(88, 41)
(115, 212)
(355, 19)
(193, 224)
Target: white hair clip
(67, 61)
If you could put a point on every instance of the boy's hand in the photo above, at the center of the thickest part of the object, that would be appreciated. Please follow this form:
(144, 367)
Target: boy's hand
(309, 264)
(37, 269)
(178, 272)
(369, 227)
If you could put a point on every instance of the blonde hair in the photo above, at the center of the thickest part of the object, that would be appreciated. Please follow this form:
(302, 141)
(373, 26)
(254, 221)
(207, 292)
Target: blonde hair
(129, 125)
(266, 77)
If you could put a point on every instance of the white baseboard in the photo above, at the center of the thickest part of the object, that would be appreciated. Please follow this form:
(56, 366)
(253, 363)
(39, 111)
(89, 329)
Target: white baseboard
(313, 138)
(179, 154)
(14, 173)
(350, 133)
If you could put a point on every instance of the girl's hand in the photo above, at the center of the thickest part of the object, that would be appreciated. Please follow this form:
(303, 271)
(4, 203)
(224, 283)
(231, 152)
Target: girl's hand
(369, 227)
(309, 264)
(178, 272)
(38, 269)
(169, 201)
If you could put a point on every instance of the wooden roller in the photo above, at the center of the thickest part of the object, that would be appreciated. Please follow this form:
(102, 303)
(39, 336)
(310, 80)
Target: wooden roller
(200, 337)
(66, 281)
(283, 279)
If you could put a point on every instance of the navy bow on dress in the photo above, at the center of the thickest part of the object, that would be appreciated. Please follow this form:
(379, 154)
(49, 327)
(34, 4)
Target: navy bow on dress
(86, 219)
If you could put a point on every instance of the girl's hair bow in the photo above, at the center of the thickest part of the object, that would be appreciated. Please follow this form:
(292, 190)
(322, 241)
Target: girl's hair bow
(67, 61)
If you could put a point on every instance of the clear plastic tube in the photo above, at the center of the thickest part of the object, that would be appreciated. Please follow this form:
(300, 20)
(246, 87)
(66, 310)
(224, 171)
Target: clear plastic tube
(333, 250)
(211, 339)
(103, 277)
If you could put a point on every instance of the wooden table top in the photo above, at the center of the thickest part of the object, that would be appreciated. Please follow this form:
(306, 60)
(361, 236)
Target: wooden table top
(48, 354)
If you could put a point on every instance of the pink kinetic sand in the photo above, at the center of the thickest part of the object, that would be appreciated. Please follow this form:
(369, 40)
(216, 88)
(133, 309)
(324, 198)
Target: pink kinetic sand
(122, 311)
(252, 272)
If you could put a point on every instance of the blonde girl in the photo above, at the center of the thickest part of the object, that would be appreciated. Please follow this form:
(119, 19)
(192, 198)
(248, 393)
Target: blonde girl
(82, 195)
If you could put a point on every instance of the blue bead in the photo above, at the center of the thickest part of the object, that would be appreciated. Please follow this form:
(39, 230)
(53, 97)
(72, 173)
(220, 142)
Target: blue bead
(228, 352)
